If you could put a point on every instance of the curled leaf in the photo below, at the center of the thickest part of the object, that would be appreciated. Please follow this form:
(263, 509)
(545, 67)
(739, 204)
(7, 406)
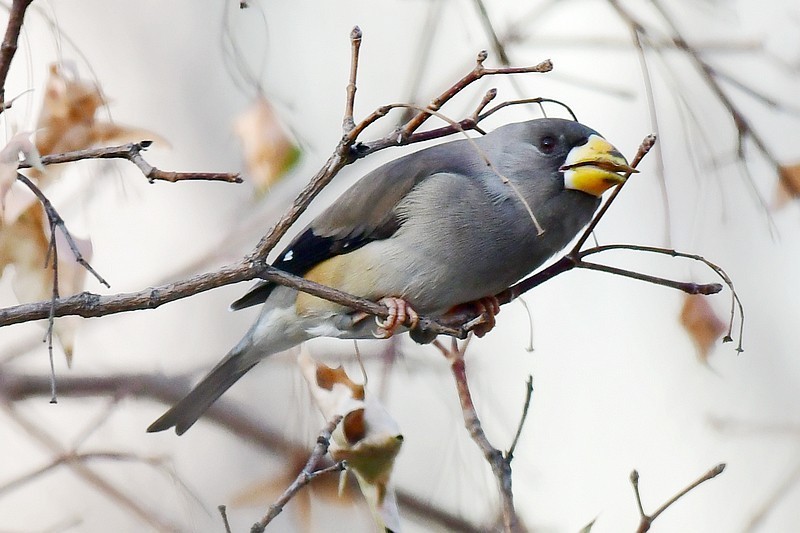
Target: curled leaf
(268, 150)
(68, 119)
(701, 323)
(368, 438)
(788, 187)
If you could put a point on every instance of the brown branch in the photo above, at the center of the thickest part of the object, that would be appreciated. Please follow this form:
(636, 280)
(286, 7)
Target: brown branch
(9, 46)
(133, 152)
(645, 520)
(477, 73)
(305, 476)
(88, 305)
(501, 466)
(348, 124)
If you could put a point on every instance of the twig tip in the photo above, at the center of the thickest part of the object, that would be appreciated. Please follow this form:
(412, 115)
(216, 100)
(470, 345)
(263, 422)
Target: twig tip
(355, 33)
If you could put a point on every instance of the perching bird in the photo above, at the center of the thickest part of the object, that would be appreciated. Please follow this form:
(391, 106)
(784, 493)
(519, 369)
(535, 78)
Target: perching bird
(448, 225)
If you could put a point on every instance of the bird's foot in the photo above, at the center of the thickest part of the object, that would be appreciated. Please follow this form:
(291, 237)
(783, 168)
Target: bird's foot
(487, 309)
(399, 311)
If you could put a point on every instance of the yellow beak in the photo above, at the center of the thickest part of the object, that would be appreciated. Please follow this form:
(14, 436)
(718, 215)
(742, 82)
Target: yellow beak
(594, 167)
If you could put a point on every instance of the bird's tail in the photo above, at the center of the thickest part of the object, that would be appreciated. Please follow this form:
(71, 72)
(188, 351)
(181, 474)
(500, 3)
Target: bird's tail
(278, 328)
(186, 412)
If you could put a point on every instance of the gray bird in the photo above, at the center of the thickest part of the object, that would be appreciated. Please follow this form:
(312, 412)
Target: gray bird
(448, 225)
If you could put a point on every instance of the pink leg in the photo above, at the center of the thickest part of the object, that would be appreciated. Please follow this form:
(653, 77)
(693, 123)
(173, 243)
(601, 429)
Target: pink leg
(488, 306)
(399, 311)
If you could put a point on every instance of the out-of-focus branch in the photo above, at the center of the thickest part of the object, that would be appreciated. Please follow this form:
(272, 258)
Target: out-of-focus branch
(239, 422)
(90, 476)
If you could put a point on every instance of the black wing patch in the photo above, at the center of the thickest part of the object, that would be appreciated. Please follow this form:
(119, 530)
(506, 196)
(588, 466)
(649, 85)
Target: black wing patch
(309, 249)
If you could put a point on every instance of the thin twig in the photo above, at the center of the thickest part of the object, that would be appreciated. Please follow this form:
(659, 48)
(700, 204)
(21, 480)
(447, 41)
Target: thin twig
(525, 406)
(645, 520)
(477, 73)
(56, 221)
(644, 149)
(355, 45)
(308, 473)
(223, 511)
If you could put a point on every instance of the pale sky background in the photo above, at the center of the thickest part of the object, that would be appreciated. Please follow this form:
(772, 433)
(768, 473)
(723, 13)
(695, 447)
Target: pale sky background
(617, 382)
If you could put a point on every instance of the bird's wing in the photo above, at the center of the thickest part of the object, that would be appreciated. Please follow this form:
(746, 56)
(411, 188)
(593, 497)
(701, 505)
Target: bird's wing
(366, 212)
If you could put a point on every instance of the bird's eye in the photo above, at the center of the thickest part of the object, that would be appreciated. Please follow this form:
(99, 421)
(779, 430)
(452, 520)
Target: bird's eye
(547, 144)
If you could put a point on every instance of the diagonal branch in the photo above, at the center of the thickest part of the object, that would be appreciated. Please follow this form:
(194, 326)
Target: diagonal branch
(305, 477)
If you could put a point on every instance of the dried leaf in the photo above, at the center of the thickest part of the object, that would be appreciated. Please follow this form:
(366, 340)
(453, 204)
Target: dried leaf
(788, 185)
(268, 150)
(368, 438)
(67, 121)
(701, 322)
(24, 244)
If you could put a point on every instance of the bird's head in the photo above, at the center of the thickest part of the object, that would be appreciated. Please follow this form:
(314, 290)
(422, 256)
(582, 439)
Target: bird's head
(586, 161)
(593, 165)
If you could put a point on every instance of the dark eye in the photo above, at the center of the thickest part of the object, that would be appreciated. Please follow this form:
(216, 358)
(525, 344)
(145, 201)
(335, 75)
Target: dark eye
(547, 144)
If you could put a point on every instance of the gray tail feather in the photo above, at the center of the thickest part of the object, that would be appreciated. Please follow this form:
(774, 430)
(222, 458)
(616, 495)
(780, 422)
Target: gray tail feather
(186, 412)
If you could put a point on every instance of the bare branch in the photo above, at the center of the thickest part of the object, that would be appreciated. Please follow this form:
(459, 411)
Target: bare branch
(57, 222)
(646, 520)
(525, 406)
(501, 466)
(133, 153)
(477, 73)
(355, 45)
(308, 473)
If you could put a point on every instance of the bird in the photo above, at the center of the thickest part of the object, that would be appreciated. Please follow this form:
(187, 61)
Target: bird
(449, 225)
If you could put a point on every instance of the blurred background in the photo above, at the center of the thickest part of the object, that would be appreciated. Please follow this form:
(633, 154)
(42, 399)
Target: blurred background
(626, 375)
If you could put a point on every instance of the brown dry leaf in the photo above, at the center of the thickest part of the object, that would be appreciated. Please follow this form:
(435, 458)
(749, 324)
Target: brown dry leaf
(268, 150)
(67, 121)
(24, 245)
(702, 324)
(368, 438)
(788, 185)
